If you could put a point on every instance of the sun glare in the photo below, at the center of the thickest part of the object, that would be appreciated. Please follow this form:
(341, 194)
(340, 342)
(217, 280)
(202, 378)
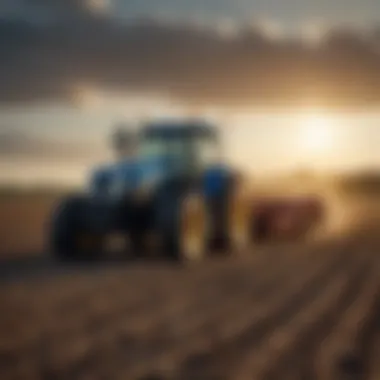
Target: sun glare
(316, 133)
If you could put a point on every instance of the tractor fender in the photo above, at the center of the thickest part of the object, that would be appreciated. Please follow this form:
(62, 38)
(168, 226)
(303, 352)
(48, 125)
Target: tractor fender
(216, 181)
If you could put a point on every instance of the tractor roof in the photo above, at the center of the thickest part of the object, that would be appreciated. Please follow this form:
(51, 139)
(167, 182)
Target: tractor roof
(175, 129)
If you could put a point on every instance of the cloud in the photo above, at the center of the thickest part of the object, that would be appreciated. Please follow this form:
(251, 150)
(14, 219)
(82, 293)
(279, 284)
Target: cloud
(20, 144)
(197, 66)
(47, 11)
(72, 5)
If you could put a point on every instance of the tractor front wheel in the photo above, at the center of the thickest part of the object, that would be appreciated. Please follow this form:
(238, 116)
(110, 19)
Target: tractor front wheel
(239, 222)
(187, 238)
(69, 241)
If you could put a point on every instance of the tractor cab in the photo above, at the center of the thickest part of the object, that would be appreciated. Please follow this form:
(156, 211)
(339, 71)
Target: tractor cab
(185, 148)
(159, 151)
(190, 151)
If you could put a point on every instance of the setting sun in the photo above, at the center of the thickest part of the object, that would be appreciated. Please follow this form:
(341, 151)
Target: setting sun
(316, 132)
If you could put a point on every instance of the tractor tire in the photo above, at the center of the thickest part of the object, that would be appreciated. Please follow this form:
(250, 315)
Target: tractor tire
(239, 222)
(137, 240)
(68, 239)
(185, 231)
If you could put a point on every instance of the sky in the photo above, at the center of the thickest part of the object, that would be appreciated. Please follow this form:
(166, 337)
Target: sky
(291, 83)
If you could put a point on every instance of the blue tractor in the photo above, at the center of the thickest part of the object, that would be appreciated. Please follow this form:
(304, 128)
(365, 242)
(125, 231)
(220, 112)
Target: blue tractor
(173, 186)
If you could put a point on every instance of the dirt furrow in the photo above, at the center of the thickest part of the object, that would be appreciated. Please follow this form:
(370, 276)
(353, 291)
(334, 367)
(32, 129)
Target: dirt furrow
(120, 346)
(374, 363)
(243, 284)
(280, 314)
(344, 353)
(295, 351)
(115, 323)
(68, 351)
(144, 309)
(74, 332)
(95, 308)
(145, 295)
(247, 328)
(250, 343)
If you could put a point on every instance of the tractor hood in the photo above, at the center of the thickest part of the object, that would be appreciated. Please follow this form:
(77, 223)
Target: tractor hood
(128, 175)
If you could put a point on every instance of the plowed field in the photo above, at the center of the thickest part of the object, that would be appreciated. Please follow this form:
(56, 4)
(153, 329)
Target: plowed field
(286, 312)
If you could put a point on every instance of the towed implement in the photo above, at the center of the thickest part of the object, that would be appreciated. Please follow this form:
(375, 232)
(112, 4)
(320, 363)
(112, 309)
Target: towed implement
(286, 218)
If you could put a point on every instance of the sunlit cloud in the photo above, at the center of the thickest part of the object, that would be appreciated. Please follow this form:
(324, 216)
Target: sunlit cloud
(95, 6)
(270, 29)
(99, 6)
(314, 31)
(227, 28)
(85, 96)
(227, 64)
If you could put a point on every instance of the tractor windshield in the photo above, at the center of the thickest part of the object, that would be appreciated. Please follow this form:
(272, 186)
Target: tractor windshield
(163, 152)
(180, 152)
(155, 147)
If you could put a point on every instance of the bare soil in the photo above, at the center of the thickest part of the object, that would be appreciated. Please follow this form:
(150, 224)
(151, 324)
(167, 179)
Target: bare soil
(282, 312)
(23, 224)
(290, 312)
